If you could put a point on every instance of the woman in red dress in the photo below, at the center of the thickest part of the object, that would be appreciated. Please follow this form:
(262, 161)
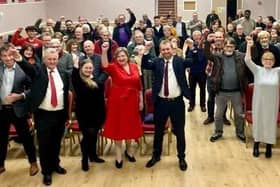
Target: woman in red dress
(125, 101)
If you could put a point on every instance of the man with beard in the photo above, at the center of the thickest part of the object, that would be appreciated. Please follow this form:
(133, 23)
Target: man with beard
(228, 83)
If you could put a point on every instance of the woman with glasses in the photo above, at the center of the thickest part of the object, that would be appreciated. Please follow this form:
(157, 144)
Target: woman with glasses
(265, 105)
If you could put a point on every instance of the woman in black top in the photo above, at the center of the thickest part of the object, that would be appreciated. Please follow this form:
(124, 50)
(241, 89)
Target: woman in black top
(90, 109)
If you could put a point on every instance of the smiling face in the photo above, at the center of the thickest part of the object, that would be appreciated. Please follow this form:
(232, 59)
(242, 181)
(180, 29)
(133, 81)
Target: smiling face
(51, 58)
(268, 60)
(7, 58)
(87, 69)
(28, 52)
(166, 50)
(122, 57)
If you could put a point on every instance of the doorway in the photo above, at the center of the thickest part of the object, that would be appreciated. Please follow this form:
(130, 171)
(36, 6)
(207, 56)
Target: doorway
(231, 9)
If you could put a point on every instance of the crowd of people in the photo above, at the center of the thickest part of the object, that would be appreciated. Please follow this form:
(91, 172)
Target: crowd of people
(166, 55)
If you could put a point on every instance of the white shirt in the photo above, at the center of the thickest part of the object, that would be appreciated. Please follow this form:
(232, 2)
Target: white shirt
(179, 28)
(7, 83)
(174, 89)
(46, 104)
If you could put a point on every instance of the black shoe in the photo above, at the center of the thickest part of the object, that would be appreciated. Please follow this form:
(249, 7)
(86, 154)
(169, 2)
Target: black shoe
(47, 180)
(97, 159)
(119, 164)
(60, 170)
(268, 152)
(256, 152)
(241, 137)
(208, 121)
(183, 164)
(190, 109)
(226, 121)
(215, 137)
(203, 109)
(85, 166)
(130, 158)
(152, 162)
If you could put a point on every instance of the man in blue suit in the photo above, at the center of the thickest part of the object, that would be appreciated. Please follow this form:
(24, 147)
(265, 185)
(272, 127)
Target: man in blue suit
(169, 87)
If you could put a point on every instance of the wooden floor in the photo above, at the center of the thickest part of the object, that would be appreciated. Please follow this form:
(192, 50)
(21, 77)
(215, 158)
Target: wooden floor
(224, 163)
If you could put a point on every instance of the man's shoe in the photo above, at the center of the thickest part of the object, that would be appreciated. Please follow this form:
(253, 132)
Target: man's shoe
(190, 109)
(208, 121)
(47, 180)
(33, 170)
(2, 170)
(203, 109)
(215, 137)
(119, 165)
(226, 121)
(183, 164)
(60, 170)
(129, 158)
(241, 137)
(84, 165)
(152, 162)
(97, 159)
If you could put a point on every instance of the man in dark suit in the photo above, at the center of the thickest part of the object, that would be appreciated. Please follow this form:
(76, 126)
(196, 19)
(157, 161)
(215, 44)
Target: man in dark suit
(180, 30)
(49, 101)
(14, 85)
(169, 87)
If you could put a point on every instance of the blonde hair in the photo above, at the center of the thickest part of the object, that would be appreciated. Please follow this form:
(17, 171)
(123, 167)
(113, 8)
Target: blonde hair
(268, 55)
(89, 82)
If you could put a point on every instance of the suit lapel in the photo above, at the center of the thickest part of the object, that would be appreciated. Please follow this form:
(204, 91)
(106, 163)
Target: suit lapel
(1, 73)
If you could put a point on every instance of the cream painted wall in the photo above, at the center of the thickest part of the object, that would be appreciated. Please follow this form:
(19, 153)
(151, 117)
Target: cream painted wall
(267, 7)
(16, 15)
(203, 8)
(92, 9)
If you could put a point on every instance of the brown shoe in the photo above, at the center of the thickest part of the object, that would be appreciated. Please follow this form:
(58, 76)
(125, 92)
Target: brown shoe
(2, 170)
(33, 170)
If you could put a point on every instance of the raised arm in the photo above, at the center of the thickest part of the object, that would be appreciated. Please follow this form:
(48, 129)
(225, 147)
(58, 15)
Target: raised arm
(104, 56)
(248, 59)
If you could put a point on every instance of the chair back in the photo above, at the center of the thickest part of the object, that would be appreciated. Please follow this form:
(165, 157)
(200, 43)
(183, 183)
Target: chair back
(248, 97)
(149, 106)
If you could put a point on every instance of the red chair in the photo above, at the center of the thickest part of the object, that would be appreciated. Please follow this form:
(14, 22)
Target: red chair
(13, 132)
(247, 99)
(148, 123)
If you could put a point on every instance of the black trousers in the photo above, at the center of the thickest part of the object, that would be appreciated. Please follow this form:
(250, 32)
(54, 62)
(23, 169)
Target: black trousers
(175, 109)
(201, 80)
(7, 116)
(89, 140)
(50, 128)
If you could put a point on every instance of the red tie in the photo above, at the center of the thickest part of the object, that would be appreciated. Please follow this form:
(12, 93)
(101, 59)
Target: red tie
(53, 90)
(165, 88)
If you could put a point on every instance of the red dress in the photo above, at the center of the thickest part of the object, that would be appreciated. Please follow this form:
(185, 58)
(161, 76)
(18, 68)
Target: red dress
(123, 119)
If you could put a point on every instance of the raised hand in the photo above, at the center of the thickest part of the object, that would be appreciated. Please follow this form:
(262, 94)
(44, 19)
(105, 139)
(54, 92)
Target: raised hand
(189, 43)
(75, 60)
(250, 41)
(105, 46)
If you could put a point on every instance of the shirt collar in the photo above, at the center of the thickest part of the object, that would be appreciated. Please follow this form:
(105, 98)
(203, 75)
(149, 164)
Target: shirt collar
(54, 70)
(13, 67)
(170, 60)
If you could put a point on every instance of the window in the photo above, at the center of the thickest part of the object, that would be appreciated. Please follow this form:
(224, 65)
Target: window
(190, 5)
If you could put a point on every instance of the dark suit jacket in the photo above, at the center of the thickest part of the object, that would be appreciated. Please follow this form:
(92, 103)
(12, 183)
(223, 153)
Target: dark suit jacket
(184, 31)
(97, 73)
(21, 85)
(157, 66)
(40, 80)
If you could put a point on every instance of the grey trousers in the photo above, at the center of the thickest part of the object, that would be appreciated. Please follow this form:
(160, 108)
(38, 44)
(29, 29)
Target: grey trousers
(221, 102)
